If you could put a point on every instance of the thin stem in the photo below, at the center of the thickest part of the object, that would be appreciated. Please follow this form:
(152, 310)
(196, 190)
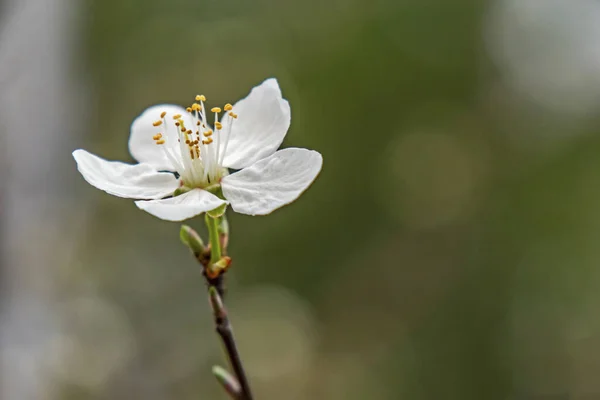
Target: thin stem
(216, 291)
(213, 236)
(223, 328)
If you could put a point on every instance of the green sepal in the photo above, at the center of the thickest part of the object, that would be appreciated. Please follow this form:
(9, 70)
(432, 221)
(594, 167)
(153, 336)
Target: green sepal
(219, 211)
(181, 190)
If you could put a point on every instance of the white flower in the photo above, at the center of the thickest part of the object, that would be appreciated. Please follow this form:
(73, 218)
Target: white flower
(175, 139)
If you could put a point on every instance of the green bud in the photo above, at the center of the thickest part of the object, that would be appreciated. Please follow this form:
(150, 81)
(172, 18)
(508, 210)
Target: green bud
(229, 383)
(191, 239)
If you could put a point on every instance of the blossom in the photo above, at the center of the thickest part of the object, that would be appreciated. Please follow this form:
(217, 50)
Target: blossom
(183, 161)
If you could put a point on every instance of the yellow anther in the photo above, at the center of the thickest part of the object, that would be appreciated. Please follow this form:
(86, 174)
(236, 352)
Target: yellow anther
(157, 123)
(200, 97)
(228, 107)
(157, 136)
(177, 116)
(208, 133)
(232, 114)
(207, 141)
(162, 114)
(198, 123)
(189, 132)
(189, 109)
(177, 124)
(160, 142)
(196, 107)
(215, 110)
(218, 125)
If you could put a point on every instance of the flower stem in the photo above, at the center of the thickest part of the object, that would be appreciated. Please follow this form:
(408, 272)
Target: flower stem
(213, 236)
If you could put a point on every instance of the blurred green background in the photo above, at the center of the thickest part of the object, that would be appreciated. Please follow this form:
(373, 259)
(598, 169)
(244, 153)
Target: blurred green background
(448, 248)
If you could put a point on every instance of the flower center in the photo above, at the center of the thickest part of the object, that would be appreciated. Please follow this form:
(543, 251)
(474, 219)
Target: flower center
(198, 154)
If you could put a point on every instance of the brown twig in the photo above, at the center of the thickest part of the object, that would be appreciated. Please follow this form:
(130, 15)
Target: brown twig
(216, 290)
(214, 275)
(223, 327)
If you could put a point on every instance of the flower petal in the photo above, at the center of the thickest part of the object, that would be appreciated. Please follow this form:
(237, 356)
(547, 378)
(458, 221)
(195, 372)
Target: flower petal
(141, 145)
(272, 182)
(183, 206)
(263, 120)
(140, 181)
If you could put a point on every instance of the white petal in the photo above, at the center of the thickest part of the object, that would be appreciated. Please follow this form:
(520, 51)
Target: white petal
(272, 182)
(182, 207)
(140, 181)
(263, 120)
(141, 145)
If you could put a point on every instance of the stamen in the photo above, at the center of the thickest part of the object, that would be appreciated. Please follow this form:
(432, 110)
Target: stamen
(232, 117)
(175, 161)
(198, 163)
(218, 127)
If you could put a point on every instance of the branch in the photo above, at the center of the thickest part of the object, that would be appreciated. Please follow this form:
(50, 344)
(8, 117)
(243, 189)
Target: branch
(223, 327)
(214, 275)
